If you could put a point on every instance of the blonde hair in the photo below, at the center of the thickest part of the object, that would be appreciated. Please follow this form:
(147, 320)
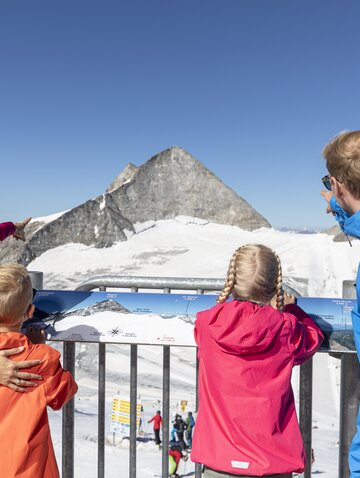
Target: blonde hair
(342, 156)
(15, 293)
(254, 274)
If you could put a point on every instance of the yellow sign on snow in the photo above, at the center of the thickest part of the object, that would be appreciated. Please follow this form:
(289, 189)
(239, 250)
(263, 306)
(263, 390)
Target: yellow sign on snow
(120, 416)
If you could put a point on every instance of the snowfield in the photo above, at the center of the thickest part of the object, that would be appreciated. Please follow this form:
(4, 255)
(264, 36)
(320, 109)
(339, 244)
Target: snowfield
(187, 247)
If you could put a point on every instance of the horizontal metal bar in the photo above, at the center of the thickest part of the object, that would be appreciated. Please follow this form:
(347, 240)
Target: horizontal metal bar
(141, 282)
(152, 283)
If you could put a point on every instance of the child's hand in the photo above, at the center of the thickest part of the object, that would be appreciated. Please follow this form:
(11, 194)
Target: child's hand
(273, 302)
(35, 335)
(289, 299)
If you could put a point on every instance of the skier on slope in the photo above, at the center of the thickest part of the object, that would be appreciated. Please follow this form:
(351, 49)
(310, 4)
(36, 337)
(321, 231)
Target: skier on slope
(157, 419)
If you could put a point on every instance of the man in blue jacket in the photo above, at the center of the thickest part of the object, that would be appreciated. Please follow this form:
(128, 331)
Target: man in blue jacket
(342, 157)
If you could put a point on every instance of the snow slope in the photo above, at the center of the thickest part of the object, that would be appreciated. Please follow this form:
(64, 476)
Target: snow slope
(186, 247)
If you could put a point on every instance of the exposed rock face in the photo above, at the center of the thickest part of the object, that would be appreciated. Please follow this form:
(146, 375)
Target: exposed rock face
(169, 184)
(173, 183)
(339, 236)
(125, 176)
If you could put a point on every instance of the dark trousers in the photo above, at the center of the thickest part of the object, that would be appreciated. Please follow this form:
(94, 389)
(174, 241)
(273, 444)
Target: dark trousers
(157, 436)
(181, 441)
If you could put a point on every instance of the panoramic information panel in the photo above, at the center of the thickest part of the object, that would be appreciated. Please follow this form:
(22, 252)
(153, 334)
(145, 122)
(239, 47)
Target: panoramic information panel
(161, 319)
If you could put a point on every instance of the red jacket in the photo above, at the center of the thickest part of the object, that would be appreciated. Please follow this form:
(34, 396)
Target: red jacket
(26, 449)
(157, 421)
(247, 421)
(176, 454)
(6, 229)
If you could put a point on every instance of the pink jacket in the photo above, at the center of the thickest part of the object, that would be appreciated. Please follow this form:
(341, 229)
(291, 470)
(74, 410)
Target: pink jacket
(247, 422)
(6, 229)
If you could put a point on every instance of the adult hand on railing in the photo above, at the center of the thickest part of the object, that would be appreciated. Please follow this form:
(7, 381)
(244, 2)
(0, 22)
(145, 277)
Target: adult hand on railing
(10, 375)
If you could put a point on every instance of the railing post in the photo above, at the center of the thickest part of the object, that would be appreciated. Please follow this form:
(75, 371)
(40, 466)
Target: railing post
(37, 279)
(68, 417)
(133, 409)
(101, 411)
(166, 406)
(349, 404)
(305, 409)
(198, 466)
(349, 395)
(101, 407)
(166, 411)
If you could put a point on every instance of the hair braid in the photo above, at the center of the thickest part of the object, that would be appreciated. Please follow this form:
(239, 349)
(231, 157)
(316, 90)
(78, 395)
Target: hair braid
(230, 279)
(279, 289)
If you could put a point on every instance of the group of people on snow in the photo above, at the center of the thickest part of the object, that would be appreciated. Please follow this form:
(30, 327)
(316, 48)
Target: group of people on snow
(247, 343)
(181, 432)
(178, 447)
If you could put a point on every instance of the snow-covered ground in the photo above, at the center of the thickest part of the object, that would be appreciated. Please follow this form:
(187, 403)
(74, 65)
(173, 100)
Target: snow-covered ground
(186, 247)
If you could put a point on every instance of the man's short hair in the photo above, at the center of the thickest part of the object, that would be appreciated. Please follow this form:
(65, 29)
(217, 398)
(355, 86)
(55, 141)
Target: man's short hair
(15, 292)
(342, 156)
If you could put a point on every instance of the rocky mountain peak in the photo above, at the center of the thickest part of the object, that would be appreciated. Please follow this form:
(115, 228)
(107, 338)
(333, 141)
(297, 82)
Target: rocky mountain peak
(174, 183)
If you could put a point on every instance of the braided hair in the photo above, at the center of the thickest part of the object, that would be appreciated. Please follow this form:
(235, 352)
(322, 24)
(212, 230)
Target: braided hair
(254, 274)
(230, 278)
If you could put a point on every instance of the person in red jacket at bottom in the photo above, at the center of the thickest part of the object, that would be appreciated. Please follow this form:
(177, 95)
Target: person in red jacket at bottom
(25, 443)
(247, 424)
(157, 419)
(176, 453)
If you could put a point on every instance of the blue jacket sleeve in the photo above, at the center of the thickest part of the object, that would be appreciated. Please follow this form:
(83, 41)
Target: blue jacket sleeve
(340, 214)
(350, 224)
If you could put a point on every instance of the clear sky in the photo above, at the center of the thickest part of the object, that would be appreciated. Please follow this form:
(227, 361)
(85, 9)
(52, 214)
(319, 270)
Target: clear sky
(252, 88)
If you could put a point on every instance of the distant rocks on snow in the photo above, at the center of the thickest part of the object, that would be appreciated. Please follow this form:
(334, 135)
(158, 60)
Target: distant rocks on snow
(339, 236)
(171, 184)
(104, 306)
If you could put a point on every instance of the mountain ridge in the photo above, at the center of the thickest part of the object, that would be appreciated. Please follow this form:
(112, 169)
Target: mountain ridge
(171, 183)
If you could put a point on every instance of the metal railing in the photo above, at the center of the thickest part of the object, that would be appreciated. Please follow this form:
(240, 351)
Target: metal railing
(166, 284)
(349, 386)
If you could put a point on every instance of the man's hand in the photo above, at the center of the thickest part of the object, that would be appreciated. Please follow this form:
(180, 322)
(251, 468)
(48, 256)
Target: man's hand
(327, 195)
(19, 229)
(10, 374)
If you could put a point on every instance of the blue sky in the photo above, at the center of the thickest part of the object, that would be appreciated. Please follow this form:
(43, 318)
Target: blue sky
(252, 88)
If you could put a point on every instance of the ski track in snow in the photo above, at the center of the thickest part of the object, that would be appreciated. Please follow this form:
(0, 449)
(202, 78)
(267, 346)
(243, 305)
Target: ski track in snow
(312, 263)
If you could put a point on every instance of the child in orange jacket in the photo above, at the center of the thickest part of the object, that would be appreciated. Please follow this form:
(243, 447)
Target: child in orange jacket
(25, 443)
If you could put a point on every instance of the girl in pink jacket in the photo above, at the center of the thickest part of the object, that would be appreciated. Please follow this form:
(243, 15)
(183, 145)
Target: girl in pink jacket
(247, 424)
